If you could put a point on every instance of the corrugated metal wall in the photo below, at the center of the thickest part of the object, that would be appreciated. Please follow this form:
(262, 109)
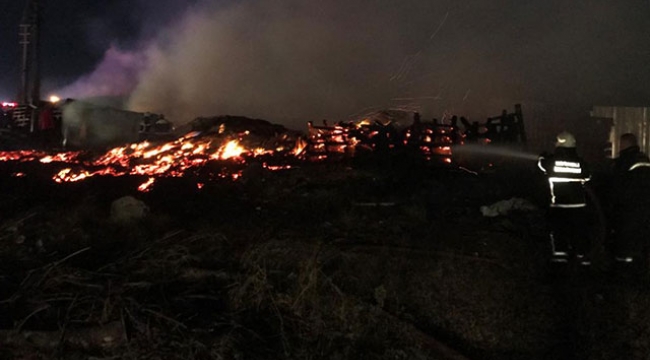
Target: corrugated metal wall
(626, 120)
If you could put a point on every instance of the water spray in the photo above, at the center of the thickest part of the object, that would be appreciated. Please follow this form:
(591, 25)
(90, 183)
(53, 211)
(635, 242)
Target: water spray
(474, 149)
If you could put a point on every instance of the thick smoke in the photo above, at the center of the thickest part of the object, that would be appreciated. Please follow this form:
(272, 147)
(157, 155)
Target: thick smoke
(116, 75)
(285, 60)
(291, 60)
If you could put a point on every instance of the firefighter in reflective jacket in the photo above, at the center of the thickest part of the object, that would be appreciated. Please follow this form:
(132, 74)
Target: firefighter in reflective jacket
(630, 204)
(567, 214)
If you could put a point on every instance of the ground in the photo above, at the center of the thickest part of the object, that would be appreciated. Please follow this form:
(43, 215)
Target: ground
(377, 260)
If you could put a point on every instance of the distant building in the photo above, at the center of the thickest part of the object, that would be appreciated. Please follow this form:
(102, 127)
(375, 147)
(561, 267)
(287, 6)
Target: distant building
(87, 125)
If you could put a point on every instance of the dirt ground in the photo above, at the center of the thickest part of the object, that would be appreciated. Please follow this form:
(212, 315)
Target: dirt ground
(338, 261)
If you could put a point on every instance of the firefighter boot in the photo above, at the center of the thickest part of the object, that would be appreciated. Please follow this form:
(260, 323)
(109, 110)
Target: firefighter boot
(583, 260)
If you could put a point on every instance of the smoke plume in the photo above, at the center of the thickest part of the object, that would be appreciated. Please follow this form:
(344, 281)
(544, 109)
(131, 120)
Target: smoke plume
(282, 60)
(115, 76)
(290, 61)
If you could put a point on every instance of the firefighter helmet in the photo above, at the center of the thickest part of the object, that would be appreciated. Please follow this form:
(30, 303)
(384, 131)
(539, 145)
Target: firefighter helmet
(565, 140)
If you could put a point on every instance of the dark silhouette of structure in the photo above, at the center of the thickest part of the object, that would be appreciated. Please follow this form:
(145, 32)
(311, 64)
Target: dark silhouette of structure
(507, 128)
(27, 113)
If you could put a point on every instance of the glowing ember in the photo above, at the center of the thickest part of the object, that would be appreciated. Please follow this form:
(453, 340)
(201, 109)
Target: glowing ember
(146, 186)
(276, 167)
(34, 155)
(300, 147)
(67, 175)
(46, 160)
(171, 159)
(231, 150)
(223, 154)
(21, 155)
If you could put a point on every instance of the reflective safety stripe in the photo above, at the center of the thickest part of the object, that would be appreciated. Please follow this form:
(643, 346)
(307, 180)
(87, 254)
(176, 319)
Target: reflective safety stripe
(554, 250)
(559, 260)
(551, 183)
(567, 167)
(638, 165)
(555, 179)
(583, 261)
(569, 206)
(624, 259)
(570, 164)
(566, 170)
(539, 164)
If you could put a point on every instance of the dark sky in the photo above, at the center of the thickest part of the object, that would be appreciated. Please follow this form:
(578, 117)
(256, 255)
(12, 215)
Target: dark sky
(291, 58)
(76, 34)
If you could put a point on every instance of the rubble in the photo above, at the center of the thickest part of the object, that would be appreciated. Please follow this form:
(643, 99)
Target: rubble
(505, 207)
(128, 209)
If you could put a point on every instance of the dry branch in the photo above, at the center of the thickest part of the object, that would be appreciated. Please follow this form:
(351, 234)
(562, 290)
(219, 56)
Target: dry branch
(106, 336)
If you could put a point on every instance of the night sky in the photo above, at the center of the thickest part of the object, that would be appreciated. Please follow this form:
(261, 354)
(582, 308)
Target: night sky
(77, 33)
(294, 59)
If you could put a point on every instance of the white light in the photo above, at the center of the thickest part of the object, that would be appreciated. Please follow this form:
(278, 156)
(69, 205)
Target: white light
(54, 99)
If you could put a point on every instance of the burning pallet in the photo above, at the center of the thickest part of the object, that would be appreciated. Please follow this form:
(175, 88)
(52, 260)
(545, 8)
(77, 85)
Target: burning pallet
(431, 140)
(222, 147)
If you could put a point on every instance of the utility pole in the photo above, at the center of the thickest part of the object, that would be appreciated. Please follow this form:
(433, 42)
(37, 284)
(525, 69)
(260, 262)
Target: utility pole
(25, 33)
(29, 34)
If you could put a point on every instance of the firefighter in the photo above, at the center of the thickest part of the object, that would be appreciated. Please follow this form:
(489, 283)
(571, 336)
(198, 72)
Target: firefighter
(630, 205)
(567, 214)
(46, 125)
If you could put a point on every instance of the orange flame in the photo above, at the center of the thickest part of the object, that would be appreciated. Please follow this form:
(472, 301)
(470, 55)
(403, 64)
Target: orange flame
(193, 151)
(232, 149)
